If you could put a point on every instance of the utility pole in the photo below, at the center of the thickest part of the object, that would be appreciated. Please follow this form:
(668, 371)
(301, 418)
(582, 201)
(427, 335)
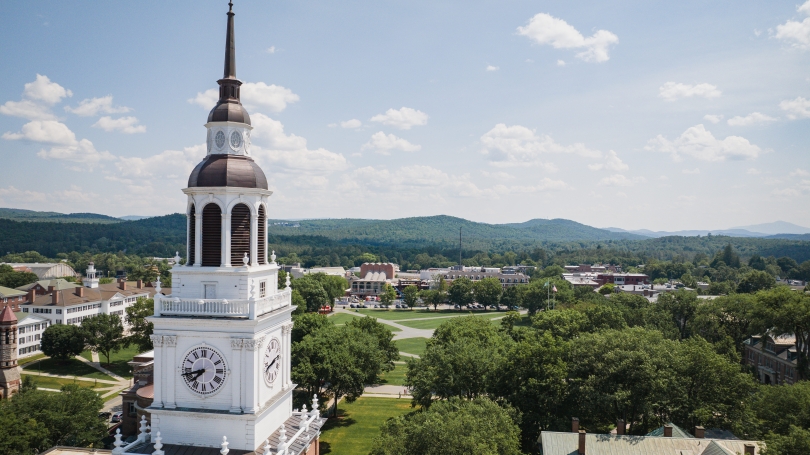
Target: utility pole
(459, 246)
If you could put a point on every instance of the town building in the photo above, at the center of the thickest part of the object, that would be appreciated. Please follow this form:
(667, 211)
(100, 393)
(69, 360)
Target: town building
(668, 439)
(372, 280)
(478, 274)
(30, 328)
(775, 358)
(595, 268)
(222, 338)
(623, 279)
(577, 279)
(136, 400)
(45, 270)
(10, 378)
(12, 297)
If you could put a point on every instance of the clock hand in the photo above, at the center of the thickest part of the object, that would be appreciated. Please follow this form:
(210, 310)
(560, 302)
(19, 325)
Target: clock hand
(271, 363)
(198, 372)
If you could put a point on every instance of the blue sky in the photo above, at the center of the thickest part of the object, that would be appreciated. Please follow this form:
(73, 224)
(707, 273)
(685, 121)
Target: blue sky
(636, 114)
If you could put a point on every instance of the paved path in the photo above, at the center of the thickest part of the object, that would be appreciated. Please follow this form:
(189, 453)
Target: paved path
(97, 365)
(405, 332)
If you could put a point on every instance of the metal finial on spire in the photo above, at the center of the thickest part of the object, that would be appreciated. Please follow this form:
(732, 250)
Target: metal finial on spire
(230, 47)
(230, 6)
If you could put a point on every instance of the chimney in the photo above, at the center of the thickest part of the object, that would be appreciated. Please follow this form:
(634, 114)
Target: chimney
(574, 424)
(54, 297)
(80, 291)
(620, 427)
(122, 285)
(140, 284)
(750, 449)
(700, 432)
(581, 450)
(51, 289)
(667, 431)
(32, 295)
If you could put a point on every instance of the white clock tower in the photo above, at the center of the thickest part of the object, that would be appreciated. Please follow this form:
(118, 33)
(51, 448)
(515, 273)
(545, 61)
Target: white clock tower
(222, 338)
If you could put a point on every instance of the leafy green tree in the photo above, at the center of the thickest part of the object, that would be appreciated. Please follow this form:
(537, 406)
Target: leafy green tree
(103, 333)
(787, 265)
(513, 296)
(510, 319)
(795, 442)
(733, 316)
(12, 279)
(62, 341)
(488, 291)
(282, 279)
(788, 313)
(384, 337)
(140, 329)
(461, 292)
(335, 286)
(21, 435)
(682, 306)
(552, 271)
(607, 289)
(756, 281)
(410, 295)
(453, 427)
(307, 323)
(430, 297)
(312, 291)
(564, 323)
(388, 294)
(460, 360)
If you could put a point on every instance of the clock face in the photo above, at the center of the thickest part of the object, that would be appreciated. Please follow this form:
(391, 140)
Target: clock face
(220, 139)
(272, 361)
(203, 370)
(236, 140)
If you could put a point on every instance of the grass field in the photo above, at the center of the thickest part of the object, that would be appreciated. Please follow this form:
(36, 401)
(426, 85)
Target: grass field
(434, 323)
(57, 383)
(87, 355)
(395, 376)
(343, 318)
(398, 315)
(118, 361)
(358, 423)
(70, 367)
(27, 360)
(412, 345)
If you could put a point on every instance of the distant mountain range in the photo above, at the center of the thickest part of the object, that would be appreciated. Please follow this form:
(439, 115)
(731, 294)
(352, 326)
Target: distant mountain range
(775, 230)
(56, 217)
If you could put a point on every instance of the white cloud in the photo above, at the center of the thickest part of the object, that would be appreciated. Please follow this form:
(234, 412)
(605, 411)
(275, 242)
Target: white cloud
(546, 29)
(560, 62)
(694, 171)
(128, 125)
(384, 143)
(353, 123)
(753, 171)
(273, 97)
(27, 109)
(290, 152)
(42, 89)
(713, 118)
(799, 173)
(492, 68)
(49, 131)
(498, 175)
(753, 118)
(169, 164)
(620, 180)
(12, 196)
(93, 106)
(798, 108)
(271, 50)
(612, 163)
(82, 152)
(700, 144)
(671, 91)
(404, 118)
(517, 145)
(794, 32)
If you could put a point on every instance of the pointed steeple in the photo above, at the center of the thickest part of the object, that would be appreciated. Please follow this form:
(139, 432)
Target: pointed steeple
(229, 107)
(230, 47)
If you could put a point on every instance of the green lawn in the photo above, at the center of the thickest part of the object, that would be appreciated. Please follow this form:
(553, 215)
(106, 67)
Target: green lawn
(398, 315)
(27, 360)
(412, 345)
(57, 383)
(343, 318)
(358, 423)
(434, 323)
(70, 367)
(395, 376)
(118, 361)
(87, 355)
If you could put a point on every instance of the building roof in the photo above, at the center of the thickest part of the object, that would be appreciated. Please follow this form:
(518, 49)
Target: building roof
(558, 443)
(677, 432)
(228, 170)
(58, 283)
(8, 292)
(68, 297)
(6, 315)
(28, 318)
(44, 269)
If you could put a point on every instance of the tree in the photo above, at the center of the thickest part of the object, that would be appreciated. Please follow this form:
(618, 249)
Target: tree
(513, 296)
(307, 323)
(453, 427)
(510, 319)
(788, 313)
(552, 271)
(335, 286)
(607, 289)
(733, 316)
(282, 279)
(388, 294)
(795, 442)
(385, 344)
(777, 407)
(140, 329)
(461, 291)
(312, 291)
(565, 323)
(682, 306)
(12, 279)
(62, 342)
(104, 334)
(756, 281)
(488, 291)
(410, 295)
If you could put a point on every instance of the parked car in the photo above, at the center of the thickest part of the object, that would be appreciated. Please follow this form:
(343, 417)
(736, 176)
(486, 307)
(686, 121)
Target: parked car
(116, 417)
(105, 415)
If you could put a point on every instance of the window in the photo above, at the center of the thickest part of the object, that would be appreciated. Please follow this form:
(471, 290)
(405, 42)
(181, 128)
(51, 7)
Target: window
(25, 310)
(263, 289)
(210, 291)
(131, 408)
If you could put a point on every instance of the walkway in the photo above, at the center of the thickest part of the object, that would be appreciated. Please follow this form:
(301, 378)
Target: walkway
(405, 331)
(110, 393)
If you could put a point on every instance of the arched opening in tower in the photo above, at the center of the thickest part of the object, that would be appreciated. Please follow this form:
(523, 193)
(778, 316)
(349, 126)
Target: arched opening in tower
(192, 235)
(262, 234)
(240, 233)
(211, 236)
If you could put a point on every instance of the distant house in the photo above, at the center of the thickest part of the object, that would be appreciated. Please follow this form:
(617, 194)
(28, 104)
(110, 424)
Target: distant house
(44, 270)
(775, 358)
(623, 279)
(372, 279)
(29, 333)
(12, 297)
(478, 274)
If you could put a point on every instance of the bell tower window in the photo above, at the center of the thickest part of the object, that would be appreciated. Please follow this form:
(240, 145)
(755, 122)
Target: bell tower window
(192, 235)
(261, 251)
(211, 236)
(240, 233)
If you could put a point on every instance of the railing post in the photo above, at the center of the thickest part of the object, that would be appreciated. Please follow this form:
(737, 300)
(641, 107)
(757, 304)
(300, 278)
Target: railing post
(158, 304)
(251, 309)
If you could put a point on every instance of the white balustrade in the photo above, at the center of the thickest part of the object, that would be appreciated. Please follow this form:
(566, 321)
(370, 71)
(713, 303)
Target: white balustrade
(251, 308)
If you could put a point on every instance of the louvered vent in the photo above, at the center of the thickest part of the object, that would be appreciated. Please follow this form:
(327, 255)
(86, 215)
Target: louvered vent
(192, 235)
(240, 233)
(211, 236)
(262, 233)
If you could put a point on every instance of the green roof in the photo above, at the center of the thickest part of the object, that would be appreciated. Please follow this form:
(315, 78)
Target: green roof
(677, 432)
(8, 292)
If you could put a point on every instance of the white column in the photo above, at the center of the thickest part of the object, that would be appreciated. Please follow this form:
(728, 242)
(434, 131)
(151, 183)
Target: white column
(236, 376)
(286, 342)
(249, 377)
(226, 240)
(157, 342)
(254, 240)
(197, 237)
(171, 368)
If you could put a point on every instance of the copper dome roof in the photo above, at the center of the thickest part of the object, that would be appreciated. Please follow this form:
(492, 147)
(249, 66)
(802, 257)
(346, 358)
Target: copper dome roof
(226, 111)
(228, 170)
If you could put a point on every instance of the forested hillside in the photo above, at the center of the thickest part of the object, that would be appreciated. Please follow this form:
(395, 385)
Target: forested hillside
(55, 217)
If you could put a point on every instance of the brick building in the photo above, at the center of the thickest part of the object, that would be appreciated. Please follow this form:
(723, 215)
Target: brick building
(775, 358)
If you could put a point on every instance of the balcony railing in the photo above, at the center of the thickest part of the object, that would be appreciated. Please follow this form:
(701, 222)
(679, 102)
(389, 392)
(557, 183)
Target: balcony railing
(250, 308)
